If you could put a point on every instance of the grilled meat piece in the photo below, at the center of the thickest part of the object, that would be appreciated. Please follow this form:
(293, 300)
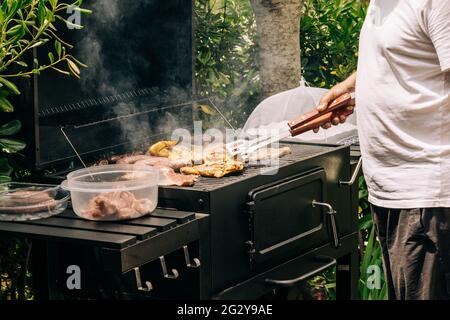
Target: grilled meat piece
(214, 169)
(269, 154)
(162, 148)
(116, 158)
(153, 161)
(168, 177)
(119, 205)
(131, 159)
(175, 164)
(199, 155)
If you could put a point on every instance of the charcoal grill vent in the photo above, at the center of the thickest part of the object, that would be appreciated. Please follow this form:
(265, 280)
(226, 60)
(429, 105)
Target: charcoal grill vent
(89, 103)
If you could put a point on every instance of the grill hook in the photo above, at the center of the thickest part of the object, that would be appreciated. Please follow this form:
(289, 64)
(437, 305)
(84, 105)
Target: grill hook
(148, 284)
(174, 274)
(196, 262)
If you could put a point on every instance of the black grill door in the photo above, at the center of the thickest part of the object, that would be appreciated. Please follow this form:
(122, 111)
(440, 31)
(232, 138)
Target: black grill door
(283, 221)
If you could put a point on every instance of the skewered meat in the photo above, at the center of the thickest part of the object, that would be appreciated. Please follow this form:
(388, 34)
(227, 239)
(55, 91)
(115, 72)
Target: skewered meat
(214, 169)
(122, 205)
(162, 148)
(269, 154)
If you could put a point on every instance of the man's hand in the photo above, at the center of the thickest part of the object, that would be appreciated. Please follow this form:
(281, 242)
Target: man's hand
(346, 86)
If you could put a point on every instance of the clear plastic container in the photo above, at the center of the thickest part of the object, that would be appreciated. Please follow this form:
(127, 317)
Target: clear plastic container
(113, 192)
(25, 201)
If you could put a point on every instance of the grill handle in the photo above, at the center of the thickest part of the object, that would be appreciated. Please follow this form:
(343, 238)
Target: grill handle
(354, 175)
(333, 232)
(326, 263)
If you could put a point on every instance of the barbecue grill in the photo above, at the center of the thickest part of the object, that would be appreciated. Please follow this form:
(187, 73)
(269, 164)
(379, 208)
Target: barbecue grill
(241, 236)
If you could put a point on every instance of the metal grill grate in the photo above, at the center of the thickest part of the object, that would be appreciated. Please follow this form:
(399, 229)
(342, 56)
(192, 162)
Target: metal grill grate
(299, 153)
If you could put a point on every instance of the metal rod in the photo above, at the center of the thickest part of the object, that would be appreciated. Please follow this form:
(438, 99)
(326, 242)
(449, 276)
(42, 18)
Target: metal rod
(221, 114)
(354, 176)
(76, 152)
(135, 114)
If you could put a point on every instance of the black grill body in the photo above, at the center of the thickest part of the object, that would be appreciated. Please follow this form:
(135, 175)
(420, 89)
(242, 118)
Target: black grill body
(258, 221)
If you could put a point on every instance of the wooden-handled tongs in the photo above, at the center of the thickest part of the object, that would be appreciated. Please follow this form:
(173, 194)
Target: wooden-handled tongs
(315, 118)
(342, 106)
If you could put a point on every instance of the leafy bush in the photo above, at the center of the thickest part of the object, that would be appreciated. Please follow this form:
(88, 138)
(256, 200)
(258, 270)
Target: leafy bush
(24, 26)
(226, 59)
(329, 40)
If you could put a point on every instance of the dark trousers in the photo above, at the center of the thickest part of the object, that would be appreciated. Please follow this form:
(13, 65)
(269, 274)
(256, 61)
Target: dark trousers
(416, 252)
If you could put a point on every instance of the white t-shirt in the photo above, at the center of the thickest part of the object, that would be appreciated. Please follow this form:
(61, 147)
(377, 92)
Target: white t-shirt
(403, 103)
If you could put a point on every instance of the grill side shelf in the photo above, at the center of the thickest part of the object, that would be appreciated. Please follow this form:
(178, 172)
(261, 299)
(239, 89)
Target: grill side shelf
(51, 233)
(141, 233)
(159, 219)
(68, 227)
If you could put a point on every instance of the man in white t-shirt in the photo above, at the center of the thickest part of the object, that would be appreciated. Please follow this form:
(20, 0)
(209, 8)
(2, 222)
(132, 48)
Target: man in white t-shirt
(403, 112)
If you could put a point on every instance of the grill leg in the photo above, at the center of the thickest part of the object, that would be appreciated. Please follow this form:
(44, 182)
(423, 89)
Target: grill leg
(38, 268)
(347, 274)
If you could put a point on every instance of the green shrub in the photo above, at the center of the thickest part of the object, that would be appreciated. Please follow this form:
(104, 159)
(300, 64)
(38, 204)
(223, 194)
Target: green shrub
(329, 40)
(226, 59)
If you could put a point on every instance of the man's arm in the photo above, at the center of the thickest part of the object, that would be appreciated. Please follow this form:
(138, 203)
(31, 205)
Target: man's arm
(346, 86)
(436, 21)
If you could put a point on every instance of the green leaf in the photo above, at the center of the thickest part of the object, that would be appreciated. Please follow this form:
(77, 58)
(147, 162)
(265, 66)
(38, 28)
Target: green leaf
(10, 128)
(51, 57)
(369, 252)
(53, 3)
(365, 222)
(58, 48)
(17, 29)
(22, 64)
(61, 71)
(5, 105)
(5, 168)
(37, 44)
(11, 86)
(41, 12)
(82, 10)
(11, 145)
(4, 179)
